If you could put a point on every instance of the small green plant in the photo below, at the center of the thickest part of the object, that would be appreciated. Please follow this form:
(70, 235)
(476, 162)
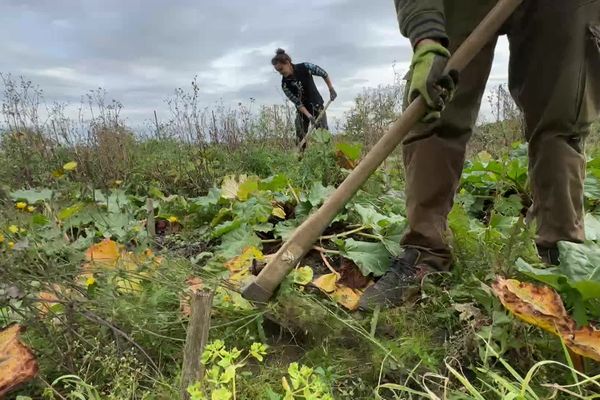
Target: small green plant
(304, 383)
(220, 379)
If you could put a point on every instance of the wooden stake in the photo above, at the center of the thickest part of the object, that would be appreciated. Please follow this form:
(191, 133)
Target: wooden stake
(150, 224)
(195, 340)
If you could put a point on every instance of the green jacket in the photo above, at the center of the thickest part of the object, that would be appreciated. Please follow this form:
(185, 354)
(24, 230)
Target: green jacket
(422, 19)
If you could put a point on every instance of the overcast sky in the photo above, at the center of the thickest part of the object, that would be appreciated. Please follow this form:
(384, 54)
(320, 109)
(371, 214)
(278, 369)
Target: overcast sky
(141, 50)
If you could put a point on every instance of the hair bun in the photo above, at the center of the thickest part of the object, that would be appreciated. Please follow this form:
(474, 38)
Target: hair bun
(280, 51)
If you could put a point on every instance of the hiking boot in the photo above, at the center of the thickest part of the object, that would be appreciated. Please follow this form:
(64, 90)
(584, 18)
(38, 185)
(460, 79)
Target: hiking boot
(400, 283)
(549, 255)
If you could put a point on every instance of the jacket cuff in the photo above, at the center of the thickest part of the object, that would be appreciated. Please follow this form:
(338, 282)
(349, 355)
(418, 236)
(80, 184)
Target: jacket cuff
(426, 25)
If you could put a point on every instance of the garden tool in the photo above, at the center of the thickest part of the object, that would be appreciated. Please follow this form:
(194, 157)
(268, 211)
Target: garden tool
(262, 287)
(313, 126)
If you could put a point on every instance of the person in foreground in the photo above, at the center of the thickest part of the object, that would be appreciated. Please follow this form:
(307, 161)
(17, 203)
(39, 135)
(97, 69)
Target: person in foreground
(299, 86)
(554, 77)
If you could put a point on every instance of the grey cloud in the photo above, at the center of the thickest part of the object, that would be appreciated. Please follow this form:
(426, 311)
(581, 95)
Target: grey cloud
(141, 50)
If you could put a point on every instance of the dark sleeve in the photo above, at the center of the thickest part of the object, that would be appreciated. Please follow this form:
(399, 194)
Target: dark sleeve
(315, 70)
(422, 19)
(293, 98)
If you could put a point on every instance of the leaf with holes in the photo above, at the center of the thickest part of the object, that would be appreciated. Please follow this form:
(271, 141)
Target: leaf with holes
(585, 342)
(538, 305)
(17, 362)
(326, 282)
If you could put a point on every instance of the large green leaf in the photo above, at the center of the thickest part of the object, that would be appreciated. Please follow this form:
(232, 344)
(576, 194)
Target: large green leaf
(32, 196)
(350, 150)
(274, 183)
(371, 257)
(211, 199)
(285, 229)
(225, 228)
(375, 220)
(390, 236)
(579, 268)
(256, 210)
(233, 243)
(591, 188)
(370, 217)
(592, 227)
(318, 193)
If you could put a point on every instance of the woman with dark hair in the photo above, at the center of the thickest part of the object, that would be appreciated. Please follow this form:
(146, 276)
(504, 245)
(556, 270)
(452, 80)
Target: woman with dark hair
(299, 86)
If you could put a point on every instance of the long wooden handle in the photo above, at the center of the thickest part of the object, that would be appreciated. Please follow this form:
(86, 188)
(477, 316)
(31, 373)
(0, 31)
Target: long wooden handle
(262, 287)
(313, 127)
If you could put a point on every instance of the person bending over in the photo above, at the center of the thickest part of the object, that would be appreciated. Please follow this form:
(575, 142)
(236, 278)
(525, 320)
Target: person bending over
(299, 86)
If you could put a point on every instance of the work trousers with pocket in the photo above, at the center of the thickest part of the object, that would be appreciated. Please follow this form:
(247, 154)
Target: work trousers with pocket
(554, 77)
(303, 123)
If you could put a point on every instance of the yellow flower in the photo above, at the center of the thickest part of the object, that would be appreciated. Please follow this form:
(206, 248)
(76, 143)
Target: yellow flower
(1, 238)
(11, 245)
(30, 208)
(70, 166)
(118, 182)
(21, 205)
(172, 219)
(13, 229)
(90, 281)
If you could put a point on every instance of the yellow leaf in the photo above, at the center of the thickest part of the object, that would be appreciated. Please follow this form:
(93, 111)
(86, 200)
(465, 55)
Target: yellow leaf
(106, 252)
(347, 297)
(537, 305)
(128, 285)
(21, 205)
(278, 212)
(172, 219)
(58, 173)
(13, 229)
(239, 277)
(484, 156)
(585, 342)
(244, 260)
(17, 362)
(229, 188)
(326, 282)
(70, 166)
(303, 275)
(247, 187)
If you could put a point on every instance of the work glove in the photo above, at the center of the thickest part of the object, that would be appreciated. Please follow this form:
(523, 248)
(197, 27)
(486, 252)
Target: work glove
(428, 79)
(332, 94)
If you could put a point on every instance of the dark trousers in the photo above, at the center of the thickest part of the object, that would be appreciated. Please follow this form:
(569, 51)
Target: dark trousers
(303, 123)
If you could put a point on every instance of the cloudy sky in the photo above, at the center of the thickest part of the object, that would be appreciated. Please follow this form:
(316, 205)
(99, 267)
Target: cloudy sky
(140, 51)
